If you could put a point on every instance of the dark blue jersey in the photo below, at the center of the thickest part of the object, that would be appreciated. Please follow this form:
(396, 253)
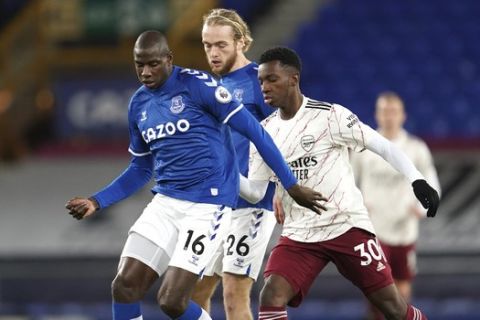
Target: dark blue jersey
(244, 86)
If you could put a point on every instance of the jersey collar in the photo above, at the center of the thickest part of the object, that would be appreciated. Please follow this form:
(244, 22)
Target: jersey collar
(235, 73)
(299, 111)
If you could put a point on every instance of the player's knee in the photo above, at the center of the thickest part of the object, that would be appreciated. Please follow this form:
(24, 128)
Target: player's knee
(201, 298)
(394, 308)
(236, 291)
(172, 304)
(273, 294)
(126, 289)
(203, 291)
(236, 298)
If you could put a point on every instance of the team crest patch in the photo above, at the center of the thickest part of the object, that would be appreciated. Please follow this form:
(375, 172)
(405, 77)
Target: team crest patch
(223, 95)
(307, 142)
(238, 94)
(177, 104)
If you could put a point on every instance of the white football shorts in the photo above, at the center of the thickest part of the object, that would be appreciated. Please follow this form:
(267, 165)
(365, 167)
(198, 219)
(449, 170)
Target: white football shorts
(187, 232)
(245, 244)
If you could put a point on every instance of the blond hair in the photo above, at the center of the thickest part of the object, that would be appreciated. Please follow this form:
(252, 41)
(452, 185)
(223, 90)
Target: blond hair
(228, 17)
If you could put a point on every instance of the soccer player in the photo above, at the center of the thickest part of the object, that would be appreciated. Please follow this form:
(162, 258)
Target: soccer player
(314, 137)
(177, 131)
(396, 226)
(226, 38)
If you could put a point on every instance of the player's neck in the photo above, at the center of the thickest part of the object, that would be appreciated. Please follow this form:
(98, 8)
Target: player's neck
(240, 62)
(293, 104)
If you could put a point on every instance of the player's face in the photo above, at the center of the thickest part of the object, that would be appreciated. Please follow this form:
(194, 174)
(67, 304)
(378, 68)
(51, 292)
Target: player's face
(276, 83)
(220, 47)
(390, 114)
(153, 66)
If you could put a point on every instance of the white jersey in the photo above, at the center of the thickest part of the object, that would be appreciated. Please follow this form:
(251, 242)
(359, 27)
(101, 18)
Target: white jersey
(315, 143)
(389, 195)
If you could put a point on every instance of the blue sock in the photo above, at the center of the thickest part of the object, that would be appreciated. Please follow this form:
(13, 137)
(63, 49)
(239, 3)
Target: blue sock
(126, 311)
(193, 312)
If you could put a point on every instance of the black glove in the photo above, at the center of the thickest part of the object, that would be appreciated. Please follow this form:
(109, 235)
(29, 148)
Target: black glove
(427, 196)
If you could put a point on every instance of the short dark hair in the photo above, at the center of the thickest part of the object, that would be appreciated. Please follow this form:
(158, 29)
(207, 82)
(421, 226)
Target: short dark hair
(286, 56)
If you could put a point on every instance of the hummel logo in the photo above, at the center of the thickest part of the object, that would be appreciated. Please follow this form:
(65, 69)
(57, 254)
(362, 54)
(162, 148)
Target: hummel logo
(380, 266)
(144, 116)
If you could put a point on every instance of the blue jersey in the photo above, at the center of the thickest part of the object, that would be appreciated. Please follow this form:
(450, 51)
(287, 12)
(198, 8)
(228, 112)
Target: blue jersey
(244, 86)
(181, 125)
(179, 129)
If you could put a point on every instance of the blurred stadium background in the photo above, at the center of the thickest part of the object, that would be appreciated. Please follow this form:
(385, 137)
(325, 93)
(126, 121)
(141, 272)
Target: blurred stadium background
(65, 79)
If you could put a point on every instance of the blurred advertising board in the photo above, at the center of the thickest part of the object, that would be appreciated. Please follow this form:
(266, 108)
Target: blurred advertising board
(93, 107)
(100, 19)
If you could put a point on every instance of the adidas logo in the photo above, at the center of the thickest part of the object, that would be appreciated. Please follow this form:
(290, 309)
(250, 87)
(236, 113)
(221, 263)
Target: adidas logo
(380, 266)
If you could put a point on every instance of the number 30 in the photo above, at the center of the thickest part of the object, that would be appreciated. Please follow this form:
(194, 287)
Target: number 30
(374, 251)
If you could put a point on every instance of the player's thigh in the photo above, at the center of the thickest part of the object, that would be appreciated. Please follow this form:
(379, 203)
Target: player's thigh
(246, 242)
(139, 251)
(200, 234)
(159, 222)
(359, 258)
(298, 263)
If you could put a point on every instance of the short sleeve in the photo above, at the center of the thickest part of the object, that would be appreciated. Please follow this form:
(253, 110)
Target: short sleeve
(138, 147)
(258, 169)
(347, 130)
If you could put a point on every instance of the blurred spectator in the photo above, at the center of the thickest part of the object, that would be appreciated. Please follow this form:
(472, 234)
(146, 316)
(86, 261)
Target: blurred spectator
(393, 208)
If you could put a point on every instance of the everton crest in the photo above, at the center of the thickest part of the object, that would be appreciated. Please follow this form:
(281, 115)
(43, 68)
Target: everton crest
(238, 94)
(177, 104)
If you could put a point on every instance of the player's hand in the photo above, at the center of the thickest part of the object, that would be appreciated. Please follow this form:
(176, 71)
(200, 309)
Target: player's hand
(308, 198)
(427, 196)
(80, 208)
(278, 210)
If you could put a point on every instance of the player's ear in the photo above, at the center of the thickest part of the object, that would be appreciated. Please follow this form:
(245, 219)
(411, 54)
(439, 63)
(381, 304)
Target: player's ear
(240, 44)
(169, 57)
(294, 79)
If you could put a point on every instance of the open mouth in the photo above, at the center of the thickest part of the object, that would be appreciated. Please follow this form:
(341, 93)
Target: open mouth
(216, 64)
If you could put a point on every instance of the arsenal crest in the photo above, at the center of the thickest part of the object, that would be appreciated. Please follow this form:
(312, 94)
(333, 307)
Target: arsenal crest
(307, 142)
(177, 104)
